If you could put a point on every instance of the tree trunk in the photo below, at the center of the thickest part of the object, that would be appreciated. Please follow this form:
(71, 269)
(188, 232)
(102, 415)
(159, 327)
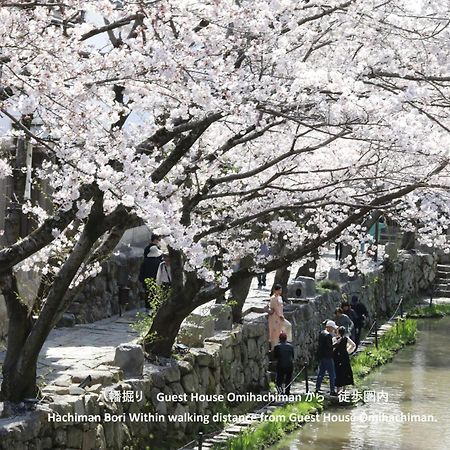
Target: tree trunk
(240, 288)
(408, 240)
(282, 277)
(15, 385)
(309, 269)
(166, 325)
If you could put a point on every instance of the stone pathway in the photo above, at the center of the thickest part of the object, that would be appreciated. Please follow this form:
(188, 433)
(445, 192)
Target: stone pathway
(70, 354)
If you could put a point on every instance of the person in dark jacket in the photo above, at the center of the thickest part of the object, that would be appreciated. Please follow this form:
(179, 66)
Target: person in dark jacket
(361, 315)
(154, 240)
(284, 356)
(325, 356)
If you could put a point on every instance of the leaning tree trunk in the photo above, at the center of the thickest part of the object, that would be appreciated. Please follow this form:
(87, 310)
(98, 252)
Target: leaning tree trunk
(166, 325)
(282, 277)
(239, 288)
(16, 385)
(310, 267)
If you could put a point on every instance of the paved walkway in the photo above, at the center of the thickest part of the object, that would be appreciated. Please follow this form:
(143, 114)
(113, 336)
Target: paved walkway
(70, 354)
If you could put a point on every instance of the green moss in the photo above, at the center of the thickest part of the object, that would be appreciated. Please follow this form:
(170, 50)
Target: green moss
(327, 286)
(432, 311)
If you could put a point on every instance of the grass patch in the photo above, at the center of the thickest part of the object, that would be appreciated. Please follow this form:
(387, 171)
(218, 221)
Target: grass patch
(325, 286)
(269, 432)
(423, 312)
(399, 335)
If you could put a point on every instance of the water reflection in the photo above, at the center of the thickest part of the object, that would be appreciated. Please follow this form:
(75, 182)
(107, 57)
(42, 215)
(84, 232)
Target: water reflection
(417, 383)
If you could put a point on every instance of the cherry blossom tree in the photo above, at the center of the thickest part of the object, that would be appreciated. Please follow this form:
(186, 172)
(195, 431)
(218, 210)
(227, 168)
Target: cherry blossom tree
(211, 121)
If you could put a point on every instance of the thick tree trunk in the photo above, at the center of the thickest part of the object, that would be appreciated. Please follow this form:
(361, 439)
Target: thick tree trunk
(309, 269)
(16, 385)
(166, 325)
(240, 288)
(282, 277)
(408, 240)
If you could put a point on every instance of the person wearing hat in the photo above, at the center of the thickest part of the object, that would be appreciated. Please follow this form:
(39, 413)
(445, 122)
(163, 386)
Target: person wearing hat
(283, 354)
(325, 356)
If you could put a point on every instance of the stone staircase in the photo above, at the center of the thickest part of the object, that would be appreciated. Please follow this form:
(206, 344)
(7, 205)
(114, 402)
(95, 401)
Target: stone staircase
(442, 281)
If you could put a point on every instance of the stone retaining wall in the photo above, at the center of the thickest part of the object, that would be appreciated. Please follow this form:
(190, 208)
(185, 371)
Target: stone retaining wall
(100, 297)
(380, 291)
(233, 361)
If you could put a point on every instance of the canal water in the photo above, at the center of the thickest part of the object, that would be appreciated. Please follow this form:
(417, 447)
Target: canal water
(407, 408)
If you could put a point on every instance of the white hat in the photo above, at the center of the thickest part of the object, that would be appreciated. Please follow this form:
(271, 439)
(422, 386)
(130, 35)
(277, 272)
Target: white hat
(154, 252)
(331, 324)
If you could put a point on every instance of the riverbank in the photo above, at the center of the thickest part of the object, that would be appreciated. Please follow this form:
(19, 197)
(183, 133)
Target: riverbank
(430, 311)
(409, 410)
(287, 418)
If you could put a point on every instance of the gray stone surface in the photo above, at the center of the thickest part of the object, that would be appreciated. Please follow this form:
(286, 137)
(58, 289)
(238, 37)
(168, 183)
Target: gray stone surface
(302, 287)
(130, 358)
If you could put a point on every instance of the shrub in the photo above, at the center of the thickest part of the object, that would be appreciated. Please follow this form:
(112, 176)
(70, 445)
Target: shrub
(327, 285)
(429, 311)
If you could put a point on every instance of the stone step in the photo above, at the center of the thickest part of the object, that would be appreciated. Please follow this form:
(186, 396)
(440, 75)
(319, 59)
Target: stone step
(442, 293)
(443, 268)
(442, 274)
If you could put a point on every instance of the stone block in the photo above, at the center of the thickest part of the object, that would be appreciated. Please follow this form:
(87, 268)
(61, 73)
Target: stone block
(74, 437)
(67, 320)
(171, 373)
(302, 287)
(190, 382)
(130, 358)
(185, 367)
(194, 335)
(252, 349)
(222, 315)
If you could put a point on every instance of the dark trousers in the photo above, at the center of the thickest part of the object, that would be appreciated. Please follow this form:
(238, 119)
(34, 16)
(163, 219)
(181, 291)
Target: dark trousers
(261, 279)
(326, 365)
(358, 328)
(284, 375)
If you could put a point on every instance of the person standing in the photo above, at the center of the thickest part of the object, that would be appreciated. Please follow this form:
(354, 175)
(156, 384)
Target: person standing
(361, 316)
(264, 251)
(283, 354)
(164, 274)
(343, 345)
(342, 320)
(325, 356)
(154, 240)
(277, 322)
(348, 311)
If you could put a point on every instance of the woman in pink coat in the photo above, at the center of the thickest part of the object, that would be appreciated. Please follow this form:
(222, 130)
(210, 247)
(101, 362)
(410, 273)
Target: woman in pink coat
(277, 322)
